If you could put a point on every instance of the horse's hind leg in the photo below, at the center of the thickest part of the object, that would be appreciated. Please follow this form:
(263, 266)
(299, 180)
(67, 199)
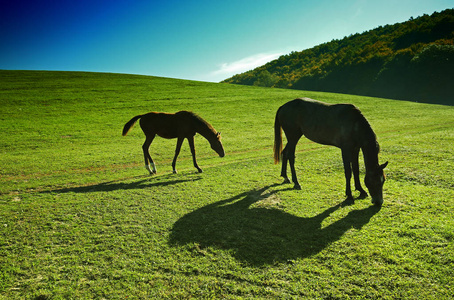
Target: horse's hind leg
(290, 156)
(146, 145)
(284, 165)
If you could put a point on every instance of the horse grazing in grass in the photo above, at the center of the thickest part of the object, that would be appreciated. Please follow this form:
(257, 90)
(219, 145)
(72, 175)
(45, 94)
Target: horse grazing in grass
(340, 125)
(181, 125)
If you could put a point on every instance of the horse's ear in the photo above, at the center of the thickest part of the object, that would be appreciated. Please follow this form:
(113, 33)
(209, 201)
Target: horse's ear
(218, 134)
(383, 165)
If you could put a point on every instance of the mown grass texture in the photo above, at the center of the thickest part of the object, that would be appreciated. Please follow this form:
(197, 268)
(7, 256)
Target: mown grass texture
(80, 217)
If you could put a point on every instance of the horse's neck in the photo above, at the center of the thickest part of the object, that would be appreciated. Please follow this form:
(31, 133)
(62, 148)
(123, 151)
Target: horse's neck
(369, 145)
(370, 154)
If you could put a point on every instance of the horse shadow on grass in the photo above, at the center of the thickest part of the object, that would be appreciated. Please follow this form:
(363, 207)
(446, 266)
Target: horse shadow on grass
(260, 235)
(121, 185)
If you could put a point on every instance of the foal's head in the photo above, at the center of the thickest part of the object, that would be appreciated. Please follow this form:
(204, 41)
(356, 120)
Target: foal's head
(374, 181)
(216, 145)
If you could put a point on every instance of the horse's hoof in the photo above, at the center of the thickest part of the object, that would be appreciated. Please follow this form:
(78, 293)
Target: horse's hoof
(286, 180)
(175, 172)
(297, 187)
(349, 201)
(200, 170)
(377, 202)
(363, 195)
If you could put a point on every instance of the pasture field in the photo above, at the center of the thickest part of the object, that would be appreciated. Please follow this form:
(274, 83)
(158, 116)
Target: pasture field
(80, 218)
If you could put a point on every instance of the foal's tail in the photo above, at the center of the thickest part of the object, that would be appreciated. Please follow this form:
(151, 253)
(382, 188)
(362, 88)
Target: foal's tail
(131, 123)
(277, 139)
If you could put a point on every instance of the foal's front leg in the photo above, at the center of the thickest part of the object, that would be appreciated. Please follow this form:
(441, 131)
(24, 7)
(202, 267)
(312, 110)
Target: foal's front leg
(191, 145)
(177, 152)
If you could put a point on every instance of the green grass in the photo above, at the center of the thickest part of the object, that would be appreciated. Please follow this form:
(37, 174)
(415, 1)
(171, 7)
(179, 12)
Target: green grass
(80, 218)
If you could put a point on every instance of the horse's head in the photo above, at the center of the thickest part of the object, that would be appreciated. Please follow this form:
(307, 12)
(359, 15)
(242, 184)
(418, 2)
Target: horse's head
(374, 181)
(216, 145)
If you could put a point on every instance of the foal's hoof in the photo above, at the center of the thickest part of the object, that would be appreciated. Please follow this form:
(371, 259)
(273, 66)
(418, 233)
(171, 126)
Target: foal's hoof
(175, 172)
(200, 170)
(286, 180)
(150, 170)
(297, 187)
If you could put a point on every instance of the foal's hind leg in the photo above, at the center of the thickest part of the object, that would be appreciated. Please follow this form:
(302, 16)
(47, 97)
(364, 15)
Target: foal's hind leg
(146, 145)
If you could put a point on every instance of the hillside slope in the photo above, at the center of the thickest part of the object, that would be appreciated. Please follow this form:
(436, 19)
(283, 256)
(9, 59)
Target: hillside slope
(413, 60)
(80, 218)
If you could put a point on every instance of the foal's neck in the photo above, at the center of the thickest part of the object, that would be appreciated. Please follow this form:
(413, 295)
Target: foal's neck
(205, 130)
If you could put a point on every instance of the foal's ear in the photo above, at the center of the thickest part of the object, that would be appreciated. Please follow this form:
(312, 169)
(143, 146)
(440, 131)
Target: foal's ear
(218, 134)
(383, 165)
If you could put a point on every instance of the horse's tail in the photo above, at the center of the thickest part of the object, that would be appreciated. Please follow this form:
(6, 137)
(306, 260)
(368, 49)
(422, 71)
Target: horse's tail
(130, 123)
(277, 139)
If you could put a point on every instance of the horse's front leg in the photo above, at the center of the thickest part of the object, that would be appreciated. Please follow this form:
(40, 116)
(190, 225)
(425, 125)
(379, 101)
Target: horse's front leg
(355, 168)
(346, 159)
(177, 152)
(191, 145)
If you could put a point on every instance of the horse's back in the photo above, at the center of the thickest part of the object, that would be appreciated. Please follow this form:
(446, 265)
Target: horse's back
(323, 123)
(307, 106)
(305, 112)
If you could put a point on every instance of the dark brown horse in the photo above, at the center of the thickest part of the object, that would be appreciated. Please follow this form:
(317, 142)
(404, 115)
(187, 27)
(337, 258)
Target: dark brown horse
(340, 125)
(181, 125)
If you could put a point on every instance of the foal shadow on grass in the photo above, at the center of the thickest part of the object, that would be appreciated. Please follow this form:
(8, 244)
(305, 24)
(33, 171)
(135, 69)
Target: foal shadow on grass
(120, 185)
(261, 235)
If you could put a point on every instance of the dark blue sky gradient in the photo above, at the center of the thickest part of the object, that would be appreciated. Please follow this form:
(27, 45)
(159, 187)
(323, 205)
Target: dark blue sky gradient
(200, 40)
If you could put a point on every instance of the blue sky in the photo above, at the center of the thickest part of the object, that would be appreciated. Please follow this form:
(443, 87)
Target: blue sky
(197, 40)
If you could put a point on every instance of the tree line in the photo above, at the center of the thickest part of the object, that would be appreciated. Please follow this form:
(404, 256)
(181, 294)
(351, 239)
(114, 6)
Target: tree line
(413, 60)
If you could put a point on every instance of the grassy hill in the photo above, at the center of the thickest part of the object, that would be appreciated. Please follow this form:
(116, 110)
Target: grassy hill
(80, 217)
(413, 60)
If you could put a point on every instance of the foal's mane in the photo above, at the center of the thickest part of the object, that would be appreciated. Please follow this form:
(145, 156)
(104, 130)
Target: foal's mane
(203, 124)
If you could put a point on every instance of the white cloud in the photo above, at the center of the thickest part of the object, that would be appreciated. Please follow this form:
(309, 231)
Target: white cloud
(246, 64)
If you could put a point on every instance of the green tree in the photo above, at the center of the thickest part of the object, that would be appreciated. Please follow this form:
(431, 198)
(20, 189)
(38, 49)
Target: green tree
(266, 79)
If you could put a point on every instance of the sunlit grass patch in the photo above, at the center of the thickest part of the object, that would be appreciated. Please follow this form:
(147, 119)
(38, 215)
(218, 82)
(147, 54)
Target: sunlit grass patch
(81, 218)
